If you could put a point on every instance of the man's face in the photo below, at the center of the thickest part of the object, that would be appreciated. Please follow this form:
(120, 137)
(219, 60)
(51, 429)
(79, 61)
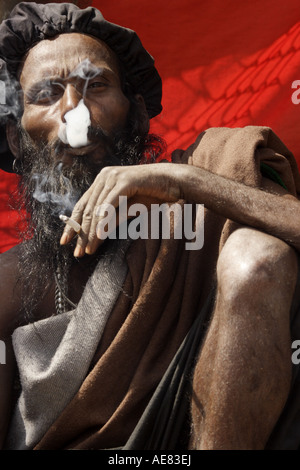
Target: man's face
(54, 83)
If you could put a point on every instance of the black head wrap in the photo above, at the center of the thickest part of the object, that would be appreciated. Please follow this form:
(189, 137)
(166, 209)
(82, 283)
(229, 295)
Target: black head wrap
(30, 23)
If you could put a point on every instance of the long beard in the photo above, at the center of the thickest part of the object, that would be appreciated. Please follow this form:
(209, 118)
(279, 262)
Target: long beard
(48, 189)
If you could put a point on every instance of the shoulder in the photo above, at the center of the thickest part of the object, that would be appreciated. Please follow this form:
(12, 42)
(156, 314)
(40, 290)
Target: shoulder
(9, 290)
(218, 144)
(238, 153)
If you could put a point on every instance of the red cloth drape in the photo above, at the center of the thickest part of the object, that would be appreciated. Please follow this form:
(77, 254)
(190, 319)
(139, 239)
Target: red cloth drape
(223, 63)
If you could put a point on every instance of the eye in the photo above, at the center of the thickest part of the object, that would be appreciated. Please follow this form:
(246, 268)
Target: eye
(45, 93)
(97, 84)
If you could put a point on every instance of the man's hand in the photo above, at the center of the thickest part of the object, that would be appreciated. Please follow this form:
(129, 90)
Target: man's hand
(146, 184)
(269, 209)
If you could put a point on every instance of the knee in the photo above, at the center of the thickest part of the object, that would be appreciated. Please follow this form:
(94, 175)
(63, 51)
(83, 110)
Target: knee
(254, 263)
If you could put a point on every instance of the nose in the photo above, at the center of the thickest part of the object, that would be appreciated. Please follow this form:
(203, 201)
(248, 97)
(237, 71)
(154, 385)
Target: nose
(70, 100)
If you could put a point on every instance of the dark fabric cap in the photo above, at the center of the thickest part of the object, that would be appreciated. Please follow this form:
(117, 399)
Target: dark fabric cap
(31, 22)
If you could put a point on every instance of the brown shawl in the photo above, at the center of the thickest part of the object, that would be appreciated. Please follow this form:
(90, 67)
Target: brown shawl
(165, 288)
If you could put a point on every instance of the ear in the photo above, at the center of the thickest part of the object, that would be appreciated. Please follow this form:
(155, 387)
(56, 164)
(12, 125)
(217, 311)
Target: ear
(145, 122)
(12, 136)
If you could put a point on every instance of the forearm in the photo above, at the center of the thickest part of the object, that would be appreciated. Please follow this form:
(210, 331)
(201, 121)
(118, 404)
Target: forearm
(278, 215)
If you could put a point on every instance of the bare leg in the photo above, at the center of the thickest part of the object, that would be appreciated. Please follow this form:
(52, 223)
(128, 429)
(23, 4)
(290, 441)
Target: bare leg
(242, 377)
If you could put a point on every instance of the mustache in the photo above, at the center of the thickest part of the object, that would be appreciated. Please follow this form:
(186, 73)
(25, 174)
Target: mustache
(95, 135)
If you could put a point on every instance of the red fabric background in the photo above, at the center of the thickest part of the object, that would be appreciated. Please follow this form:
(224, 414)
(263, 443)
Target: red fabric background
(223, 63)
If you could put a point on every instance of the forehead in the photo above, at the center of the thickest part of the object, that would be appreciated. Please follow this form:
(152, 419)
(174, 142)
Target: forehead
(61, 56)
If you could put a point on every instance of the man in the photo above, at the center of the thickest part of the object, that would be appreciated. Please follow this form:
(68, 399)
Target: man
(103, 331)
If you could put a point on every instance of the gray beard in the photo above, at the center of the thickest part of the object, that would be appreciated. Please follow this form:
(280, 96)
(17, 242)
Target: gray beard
(47, 190)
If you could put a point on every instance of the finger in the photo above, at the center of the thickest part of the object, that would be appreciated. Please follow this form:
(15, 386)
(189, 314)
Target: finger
(75, 226)
(101, 187)
(67, 236)
(112, 212)
(69, 232)
(104, 222)
(87, 217)
(106, 229)
(90, 221)
(106, 203)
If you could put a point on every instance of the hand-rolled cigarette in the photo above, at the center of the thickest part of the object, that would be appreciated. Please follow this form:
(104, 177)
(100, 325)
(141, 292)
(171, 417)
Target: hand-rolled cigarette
(67, 220)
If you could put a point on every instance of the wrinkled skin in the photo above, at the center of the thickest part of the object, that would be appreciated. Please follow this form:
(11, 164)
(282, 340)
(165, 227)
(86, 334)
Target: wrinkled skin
(236, 418)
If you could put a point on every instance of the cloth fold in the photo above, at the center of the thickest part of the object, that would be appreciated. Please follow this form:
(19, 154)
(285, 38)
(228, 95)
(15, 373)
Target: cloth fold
(165, 288)
(54, 354)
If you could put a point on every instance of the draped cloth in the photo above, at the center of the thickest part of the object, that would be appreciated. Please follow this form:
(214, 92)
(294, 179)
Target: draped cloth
(164, 290)
(59, 350)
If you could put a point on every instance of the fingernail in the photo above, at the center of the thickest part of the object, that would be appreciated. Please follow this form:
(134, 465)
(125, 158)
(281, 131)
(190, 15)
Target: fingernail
(64, 239)
(78, 252)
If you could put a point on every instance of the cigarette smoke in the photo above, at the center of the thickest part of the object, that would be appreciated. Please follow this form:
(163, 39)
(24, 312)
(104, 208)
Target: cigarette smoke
(75, 131)
(10, 95)
(60, 202)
